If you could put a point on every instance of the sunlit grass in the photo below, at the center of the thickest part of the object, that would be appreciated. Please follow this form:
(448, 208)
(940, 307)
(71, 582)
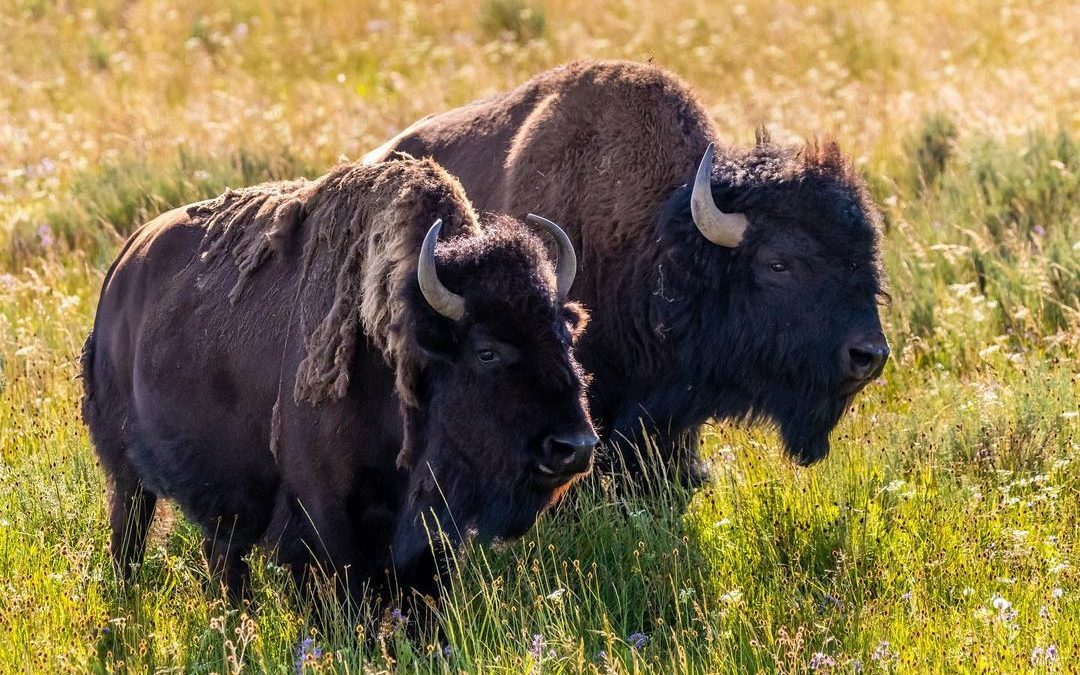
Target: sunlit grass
(941, 535)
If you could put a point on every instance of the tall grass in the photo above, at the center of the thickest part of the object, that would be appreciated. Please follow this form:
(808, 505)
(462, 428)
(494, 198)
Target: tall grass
(940, 536)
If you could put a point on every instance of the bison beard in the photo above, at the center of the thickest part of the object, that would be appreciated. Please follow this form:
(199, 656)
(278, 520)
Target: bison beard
(759, 317)
(269, 361)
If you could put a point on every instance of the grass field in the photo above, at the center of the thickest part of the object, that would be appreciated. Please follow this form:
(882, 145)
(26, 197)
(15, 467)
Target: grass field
(940, 536)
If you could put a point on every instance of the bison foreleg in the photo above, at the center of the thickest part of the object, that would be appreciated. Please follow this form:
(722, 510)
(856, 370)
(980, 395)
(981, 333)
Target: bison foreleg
(226, 551)
(313, 532)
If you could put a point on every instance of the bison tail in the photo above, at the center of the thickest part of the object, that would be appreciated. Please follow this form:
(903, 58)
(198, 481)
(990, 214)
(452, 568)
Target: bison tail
(86, 365)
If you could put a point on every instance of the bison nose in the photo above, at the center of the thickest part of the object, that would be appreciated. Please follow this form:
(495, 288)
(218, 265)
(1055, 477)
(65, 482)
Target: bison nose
(866, 357)
(570, 453)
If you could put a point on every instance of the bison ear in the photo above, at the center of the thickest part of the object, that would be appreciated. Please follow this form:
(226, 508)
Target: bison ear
(576, 317)
(436, 337)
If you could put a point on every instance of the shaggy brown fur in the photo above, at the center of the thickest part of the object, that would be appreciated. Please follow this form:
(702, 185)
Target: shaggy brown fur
(359, 249)
(577, 141)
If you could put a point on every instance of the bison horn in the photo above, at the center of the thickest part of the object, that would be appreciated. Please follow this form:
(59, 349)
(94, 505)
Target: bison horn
(566, 263)
(442, 299)
(722, 229)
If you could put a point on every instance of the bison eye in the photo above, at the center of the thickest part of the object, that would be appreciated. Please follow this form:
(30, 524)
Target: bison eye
(777, 266)
(487, 355)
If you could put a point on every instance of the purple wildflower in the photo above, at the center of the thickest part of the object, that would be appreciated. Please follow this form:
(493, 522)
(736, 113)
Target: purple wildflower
(537, 649)
(883, 653)
(45, 167)
(307, 651)
(45, 236)
(1006, 613)
(396, 620)
(637, 640)
(1037, 655)
(1041, 657)
(829, 603)
(1039, 230)
(448, 651)
(821, 661)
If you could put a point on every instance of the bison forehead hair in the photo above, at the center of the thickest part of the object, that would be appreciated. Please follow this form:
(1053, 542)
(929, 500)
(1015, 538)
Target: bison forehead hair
(508, 279)
(506, 265)
(809, 191)
(814, 187)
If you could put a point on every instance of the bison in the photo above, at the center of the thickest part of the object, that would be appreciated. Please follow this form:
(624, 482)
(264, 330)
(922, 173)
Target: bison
(744, 285)
(300, 364)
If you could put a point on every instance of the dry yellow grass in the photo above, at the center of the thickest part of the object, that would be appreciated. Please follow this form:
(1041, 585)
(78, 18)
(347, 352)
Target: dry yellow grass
(85, 83)
(941, 535)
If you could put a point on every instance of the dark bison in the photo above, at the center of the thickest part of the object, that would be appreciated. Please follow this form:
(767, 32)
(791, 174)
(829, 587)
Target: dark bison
(287, 365)
(745, 286)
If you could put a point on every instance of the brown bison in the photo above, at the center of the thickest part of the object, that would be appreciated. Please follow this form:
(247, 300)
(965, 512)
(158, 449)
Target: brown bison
(745, 286)
(290, 365)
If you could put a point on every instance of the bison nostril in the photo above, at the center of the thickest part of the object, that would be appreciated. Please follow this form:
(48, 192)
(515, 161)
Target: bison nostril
(569, 447)
(861, 360)
(867, 359)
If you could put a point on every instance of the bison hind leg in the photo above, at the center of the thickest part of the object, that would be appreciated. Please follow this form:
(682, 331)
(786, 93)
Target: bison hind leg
(106, 410)
(131, 511)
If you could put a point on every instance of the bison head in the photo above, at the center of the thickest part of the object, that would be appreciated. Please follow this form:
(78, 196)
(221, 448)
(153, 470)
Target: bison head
(787, 293)
(503, 427)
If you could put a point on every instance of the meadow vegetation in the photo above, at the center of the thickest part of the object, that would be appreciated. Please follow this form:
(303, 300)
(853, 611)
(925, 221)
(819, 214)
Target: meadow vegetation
(940, 535)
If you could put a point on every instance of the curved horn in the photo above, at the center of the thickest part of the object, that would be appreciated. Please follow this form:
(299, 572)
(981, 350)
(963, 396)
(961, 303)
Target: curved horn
(442, 299)
(566, 263)
(722, 229)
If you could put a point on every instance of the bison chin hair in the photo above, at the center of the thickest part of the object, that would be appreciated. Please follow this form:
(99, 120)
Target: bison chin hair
(449, 503)
(804, 422)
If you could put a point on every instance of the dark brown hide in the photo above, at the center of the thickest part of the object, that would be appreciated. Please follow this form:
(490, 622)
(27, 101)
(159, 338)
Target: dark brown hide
(267, 360)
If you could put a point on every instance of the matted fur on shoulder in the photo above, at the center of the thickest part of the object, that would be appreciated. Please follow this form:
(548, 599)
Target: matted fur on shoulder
(249, 223)
(361, 228)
